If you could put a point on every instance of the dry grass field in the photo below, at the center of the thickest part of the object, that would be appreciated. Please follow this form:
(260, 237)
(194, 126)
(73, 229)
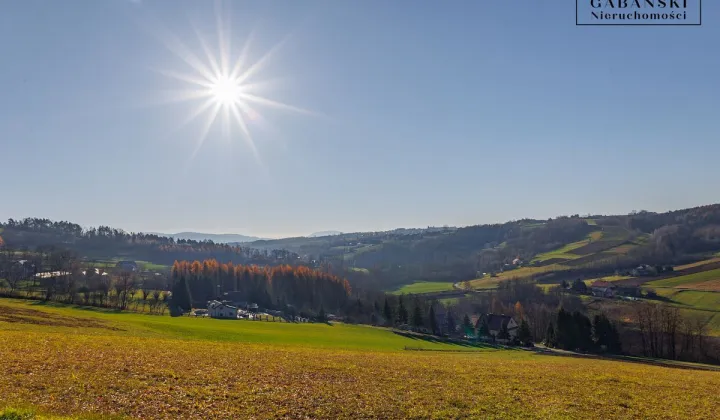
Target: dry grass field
(108, 365)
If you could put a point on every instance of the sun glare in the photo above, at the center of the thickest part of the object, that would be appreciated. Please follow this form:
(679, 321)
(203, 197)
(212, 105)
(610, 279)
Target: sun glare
(226, 91)
(225, 87)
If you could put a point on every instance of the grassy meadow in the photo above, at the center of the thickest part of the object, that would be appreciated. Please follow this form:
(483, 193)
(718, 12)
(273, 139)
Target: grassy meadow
(562, 253)
(704, 280)
(489, 282)
(421, 287)
(700, 263)
(65, 361)
(709, 301)
(144, 265)
(609, 240)
(597, 245)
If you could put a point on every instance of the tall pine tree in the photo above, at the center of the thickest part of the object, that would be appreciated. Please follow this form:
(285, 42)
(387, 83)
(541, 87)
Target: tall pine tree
(433, 321)
(605, 334)
(451, 324)
(524, 334)
(417, 318)
(483, 327)
(467, 326)
(402, 312)
(181, 300)
(550, 339)
(387, 312)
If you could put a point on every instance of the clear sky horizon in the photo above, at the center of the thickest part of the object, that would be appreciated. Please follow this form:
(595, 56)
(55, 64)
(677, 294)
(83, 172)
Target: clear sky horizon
(420, 113)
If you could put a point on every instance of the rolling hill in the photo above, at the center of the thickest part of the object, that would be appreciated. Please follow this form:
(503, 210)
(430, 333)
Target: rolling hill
(566, 246)
(219, 238)
(325, 233)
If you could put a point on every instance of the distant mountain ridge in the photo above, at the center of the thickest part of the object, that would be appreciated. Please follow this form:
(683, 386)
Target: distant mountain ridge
(221, 238)
(324, 233)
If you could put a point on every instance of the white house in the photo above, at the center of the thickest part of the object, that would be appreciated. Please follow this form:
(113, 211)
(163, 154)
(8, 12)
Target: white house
(222, 310)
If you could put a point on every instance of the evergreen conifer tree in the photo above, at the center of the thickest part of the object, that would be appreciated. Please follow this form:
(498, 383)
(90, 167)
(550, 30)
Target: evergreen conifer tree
(181, 300)
(483, 328)
(524, 334)
(468, 326)
(387, 312)
(433, 321)
(417, 318)
(451, 323)
(550, 339)
(402, 312)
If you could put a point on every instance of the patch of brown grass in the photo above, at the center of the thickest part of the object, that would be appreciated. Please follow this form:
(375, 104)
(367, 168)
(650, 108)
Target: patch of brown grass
(710, 286)
(35, 317)
(700, 264)
(151, 378)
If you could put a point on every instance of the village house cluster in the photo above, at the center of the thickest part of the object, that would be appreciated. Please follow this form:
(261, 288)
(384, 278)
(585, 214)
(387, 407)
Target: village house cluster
(232, 306)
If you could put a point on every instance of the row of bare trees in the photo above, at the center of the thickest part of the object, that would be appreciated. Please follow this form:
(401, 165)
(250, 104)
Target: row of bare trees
(59, 275)
(664, 332)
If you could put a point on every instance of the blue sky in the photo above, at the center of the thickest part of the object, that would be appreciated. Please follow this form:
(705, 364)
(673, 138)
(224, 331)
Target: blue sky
(425, 113)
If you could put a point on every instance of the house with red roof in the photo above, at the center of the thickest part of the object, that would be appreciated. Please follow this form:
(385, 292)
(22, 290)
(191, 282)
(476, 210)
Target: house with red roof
(601, 288)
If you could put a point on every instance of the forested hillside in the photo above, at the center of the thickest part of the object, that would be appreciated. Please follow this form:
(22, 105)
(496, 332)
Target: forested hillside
(105, 242)
(603, 244)
(600, 244)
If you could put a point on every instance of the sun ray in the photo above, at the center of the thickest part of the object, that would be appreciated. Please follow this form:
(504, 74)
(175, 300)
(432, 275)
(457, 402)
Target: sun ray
(226, 121)
(206, 49)
(223, 41)
(274, 104)
(261, 62)
(248, 137)
(199, 111)
(206, 129)
(261, 85)
(242, 58)
(179, 49)
(182, 95)
(185, 78)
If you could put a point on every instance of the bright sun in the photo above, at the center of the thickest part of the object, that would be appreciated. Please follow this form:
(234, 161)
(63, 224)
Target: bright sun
(226, 90)
(224, 86)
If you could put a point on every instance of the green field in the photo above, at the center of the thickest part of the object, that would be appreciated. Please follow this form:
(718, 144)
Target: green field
(564, 252)
(449, 301)
(614, 278)
(696, 304)
(489, 282)
(714, 324)
(709, 301)
(147, 265)
(694, 280)
(610, 239)
(190, 328)
(701, 300)
(90, 363)
(421, 287)
(697, 264)
(606, 278)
